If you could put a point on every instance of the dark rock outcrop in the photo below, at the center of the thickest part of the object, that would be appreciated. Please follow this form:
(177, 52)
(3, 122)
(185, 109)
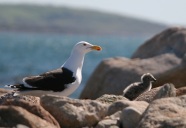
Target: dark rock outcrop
(176, 75)
(172, 40)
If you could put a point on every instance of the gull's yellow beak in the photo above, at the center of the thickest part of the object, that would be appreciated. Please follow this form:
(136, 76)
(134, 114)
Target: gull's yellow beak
(95, 47)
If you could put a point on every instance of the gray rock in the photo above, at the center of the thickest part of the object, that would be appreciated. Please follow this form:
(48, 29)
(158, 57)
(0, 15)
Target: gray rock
(148, 96)
(165, 113)
(73, 112)
(120, 105)
(130, 117)
(21, 126)
(167, 90)
(112, 121)
(11, 116)
(4, 91)
(30, 99)
(113, 75)
(172, 40)
(109, 99)
(35, 109)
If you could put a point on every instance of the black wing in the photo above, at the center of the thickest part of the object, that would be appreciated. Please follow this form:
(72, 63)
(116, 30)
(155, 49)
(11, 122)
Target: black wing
(54, 80)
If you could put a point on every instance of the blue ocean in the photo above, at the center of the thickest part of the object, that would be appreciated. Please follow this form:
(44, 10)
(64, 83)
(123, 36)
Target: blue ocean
(25, 54)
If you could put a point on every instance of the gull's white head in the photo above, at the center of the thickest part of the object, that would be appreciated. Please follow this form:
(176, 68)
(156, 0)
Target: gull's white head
(85, 47)
(75, 61)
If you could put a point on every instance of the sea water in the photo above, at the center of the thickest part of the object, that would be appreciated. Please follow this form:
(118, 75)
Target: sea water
(25, 54)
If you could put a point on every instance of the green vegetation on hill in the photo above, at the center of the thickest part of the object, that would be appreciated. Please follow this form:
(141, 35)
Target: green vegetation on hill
(75, 21)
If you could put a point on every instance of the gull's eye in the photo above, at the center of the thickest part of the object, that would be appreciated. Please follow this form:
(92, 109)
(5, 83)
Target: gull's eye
(84, 44)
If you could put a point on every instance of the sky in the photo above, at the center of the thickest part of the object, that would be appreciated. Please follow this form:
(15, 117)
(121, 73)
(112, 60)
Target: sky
(170, 12)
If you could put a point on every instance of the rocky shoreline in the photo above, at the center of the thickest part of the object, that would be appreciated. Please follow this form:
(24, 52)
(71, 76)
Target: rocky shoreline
(102, 105)
(161, 107)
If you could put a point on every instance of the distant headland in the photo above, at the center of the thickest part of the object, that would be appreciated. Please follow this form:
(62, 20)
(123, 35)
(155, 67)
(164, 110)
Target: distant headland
(35, 18)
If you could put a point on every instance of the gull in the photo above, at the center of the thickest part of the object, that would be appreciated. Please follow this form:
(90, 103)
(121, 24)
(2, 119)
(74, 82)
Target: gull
(62, 81)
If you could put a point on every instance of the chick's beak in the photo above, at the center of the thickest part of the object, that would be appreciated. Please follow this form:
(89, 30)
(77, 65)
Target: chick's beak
(154, 80)
(95, 47)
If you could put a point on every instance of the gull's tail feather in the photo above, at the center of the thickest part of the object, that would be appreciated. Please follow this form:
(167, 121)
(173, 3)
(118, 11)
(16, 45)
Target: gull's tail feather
(13, 93)
(14, 86)
(10, 86)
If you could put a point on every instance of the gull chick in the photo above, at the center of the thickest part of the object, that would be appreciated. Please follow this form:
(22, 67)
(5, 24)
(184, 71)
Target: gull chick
(135, 89)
